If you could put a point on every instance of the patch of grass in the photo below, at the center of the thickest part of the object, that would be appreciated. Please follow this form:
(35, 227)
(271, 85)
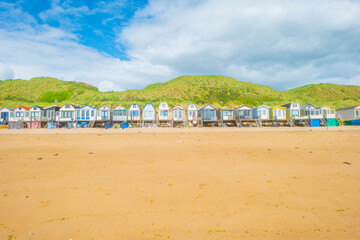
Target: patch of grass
(51, 96)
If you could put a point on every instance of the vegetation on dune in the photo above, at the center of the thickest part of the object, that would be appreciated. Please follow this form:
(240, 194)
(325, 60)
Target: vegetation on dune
(217, 90)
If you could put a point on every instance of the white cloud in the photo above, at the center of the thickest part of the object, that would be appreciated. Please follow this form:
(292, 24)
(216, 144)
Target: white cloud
(279, 43)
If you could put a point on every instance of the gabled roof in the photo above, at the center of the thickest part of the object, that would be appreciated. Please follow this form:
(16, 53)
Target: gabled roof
(41, 108)
(136, 105)
(290, 104)
(163, 108)
(26, 108)
(325, 107)
(8, 108)
(74, 106)
(263, 106)
(307, 106)
(53, 106)
(149, 104)
(279, 108)
(207, 106)
(120, 108)
(244, 106)
(87, 106)
(105, 107)
(191, 105)
(178, 108)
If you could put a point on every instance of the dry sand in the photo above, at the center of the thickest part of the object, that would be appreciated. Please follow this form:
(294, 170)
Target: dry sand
(180, 184)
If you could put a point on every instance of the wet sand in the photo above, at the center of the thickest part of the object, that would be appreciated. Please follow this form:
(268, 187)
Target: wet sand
(180, 184)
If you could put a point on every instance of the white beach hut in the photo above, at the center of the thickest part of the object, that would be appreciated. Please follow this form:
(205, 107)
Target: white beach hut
(164, 112)
(261, 112)
(149, 115)
(21, 113)
(244, 112)
(119, 114)
(36, 113)
(178, 113)
(104, 113)
(192, 112)
(292, 110)
(134, 112)
(86, 113)
(67, 113)
(6, 113)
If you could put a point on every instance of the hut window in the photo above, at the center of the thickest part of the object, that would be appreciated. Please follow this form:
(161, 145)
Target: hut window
(358, 113)
(11, 114)
(92, 113)
(26, 114)
(134, 113)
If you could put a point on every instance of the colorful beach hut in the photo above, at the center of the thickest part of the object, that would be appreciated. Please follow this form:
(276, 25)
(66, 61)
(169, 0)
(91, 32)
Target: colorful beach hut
(192, 113)
(278, 113)
(350, 115)
(5, 114)
(164, 112)
(292, 110)
(312, 114)
(329, 116)
(21, 113)
(207, 115)
(178, 113)
(149, 115)
(50, 113)
(36, 113)
(261, 112)
(85, 115)
(120, 114)
(135, 112)
(104, 113)
(67, 113)
(244, 112)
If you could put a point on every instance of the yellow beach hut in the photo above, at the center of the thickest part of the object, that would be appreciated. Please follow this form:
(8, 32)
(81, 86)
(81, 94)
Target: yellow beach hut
(278, 113)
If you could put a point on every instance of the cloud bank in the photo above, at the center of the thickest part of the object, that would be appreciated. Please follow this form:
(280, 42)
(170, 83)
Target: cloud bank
(282, 44)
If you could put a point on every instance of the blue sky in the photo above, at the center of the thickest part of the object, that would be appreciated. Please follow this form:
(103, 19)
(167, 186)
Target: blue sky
(128, 44)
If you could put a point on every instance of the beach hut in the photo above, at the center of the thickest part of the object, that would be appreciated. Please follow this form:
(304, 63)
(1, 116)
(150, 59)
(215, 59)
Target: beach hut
(104, 113)
(261, 112)
(226, 117)
(311, 113)
(178, 113)
(207, 114)
(67, 113)
(192, 113)
(164, 112)
(86, 116)
(119, 114)
(149, 115)
(329, 116)
(36, 113)
(244, 112)
(50, 113)
(350, 115)
(292, 110)
(135, 112)
(6, 113)
(278, 113)
(21, 113)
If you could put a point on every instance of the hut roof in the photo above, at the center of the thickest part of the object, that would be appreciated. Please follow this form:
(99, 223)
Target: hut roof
(347, 108)
(26, 108)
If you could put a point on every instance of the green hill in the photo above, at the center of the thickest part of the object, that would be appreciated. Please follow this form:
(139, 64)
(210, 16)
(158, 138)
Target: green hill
(217, 90)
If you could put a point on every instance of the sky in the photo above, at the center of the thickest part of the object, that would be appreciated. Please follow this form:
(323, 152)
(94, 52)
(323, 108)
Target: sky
(119, 45)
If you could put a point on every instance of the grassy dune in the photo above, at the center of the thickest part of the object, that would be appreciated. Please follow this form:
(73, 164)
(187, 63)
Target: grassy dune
(217, 90)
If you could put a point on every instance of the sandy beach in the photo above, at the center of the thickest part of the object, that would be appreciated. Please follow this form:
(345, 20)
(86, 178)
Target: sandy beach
(207, 183)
